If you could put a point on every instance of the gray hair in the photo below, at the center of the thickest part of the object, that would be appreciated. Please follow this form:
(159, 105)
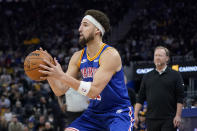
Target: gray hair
(165, 49)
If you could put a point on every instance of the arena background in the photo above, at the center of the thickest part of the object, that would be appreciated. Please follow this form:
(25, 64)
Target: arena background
(137, 27)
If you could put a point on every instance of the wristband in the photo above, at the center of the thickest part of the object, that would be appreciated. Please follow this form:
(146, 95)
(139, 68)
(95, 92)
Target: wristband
(84, 87)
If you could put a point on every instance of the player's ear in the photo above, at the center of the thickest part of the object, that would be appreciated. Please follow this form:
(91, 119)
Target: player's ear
(97, 31)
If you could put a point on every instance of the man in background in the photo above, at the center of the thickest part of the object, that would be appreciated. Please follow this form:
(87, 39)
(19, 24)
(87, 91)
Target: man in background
(15, 125)
(163, 90)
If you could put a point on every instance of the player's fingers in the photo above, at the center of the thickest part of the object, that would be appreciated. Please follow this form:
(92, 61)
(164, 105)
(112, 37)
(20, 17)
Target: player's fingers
(50, 64)
(43, 78)
(56, 62)
(44, 72)
(45, 52)
(41, 49)
(45, 67)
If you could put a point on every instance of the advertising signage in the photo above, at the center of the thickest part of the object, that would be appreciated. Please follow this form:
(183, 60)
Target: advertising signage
(186, 69)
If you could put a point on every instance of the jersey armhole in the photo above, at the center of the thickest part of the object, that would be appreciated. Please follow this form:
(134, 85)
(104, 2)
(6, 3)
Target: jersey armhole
(79, 62)
(105, 50)
(100, 57)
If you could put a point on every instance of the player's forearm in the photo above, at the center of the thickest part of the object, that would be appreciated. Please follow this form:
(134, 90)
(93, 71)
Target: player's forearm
(93, 92)
(179, 109)
(57, 87)
(69, 81)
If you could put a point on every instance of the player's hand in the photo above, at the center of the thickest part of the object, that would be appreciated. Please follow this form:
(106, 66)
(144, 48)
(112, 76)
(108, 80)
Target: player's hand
(136, 118)
(40, 49)
(51, 70)
(177, 121)
(44, 51)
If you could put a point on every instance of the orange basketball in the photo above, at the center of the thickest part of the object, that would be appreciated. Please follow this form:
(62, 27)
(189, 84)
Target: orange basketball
(32, 62)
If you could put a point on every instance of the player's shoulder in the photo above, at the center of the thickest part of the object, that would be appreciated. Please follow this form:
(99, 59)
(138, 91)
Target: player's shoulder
(76, 56)
(111, 55)
(110, 51)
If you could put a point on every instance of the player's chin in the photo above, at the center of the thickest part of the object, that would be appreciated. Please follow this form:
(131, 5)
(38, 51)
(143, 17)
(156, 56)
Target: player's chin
(81, 38)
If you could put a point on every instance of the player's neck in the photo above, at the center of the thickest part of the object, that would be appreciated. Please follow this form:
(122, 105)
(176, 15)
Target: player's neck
(93, 47)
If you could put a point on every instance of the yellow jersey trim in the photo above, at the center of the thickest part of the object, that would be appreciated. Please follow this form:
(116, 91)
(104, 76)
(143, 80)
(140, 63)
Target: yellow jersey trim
(105, 50)
(97, 54)
(79, 62)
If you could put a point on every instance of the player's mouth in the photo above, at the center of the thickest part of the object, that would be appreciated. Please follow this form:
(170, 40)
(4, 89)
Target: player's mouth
(80, 35)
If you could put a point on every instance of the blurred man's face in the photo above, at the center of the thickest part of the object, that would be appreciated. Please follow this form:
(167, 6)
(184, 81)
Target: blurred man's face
(18, 104)
(160, 58)
(14, 119)
(86, 32)
(42, 119)
(47, 125)
(2, 98)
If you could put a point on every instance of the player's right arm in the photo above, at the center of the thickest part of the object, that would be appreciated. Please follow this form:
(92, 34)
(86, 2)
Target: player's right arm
(73, 70)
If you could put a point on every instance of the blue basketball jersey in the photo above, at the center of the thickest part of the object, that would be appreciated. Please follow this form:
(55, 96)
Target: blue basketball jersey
(115, 94)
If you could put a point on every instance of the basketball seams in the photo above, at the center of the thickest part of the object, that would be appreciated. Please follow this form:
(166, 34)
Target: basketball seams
(32, 62)
(35, 64)
(34, 69)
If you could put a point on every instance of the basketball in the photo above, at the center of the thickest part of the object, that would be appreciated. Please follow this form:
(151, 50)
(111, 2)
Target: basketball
(32, 62)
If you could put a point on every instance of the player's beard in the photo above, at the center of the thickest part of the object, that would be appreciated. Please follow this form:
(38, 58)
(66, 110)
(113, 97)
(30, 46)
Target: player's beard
(83, 41)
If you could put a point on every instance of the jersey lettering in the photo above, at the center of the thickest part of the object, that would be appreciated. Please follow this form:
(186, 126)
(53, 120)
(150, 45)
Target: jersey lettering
(88, 72)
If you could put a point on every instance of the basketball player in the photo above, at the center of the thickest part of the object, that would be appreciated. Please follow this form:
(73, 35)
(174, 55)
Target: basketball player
(102, 79)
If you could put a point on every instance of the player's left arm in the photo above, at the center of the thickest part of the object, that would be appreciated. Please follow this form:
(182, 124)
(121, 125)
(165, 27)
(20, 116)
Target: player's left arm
(110, 63)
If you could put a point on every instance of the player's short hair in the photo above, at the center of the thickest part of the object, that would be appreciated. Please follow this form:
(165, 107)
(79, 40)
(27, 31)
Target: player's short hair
(100, 17)
(165, 49)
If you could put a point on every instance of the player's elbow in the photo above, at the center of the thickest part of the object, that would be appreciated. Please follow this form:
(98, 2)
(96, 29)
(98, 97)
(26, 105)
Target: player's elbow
(94, 93)
(58, 94)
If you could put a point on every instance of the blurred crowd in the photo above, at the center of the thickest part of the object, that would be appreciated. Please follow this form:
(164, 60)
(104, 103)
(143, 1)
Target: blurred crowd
(168, 23)
(53, 25)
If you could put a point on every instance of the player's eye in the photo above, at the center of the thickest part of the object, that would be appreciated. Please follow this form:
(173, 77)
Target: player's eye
(85, 25)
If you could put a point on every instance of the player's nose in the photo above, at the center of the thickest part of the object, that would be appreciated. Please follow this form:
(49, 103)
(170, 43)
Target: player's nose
(80, 29)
